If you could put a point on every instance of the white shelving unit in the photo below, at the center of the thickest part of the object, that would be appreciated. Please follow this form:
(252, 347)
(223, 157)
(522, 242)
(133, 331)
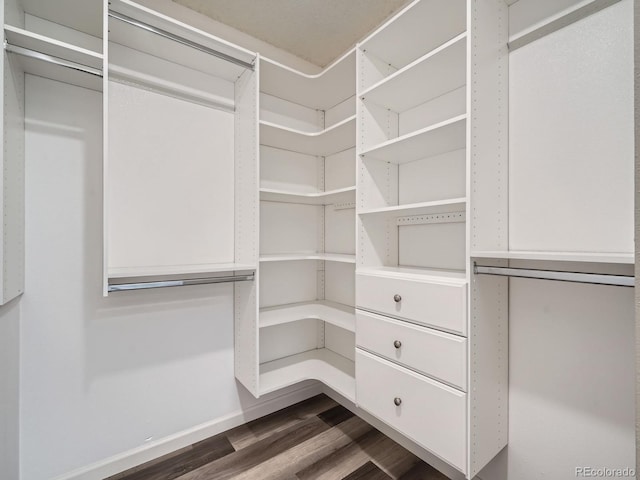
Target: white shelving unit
(337, 196)
(331, 312)
(325, 257)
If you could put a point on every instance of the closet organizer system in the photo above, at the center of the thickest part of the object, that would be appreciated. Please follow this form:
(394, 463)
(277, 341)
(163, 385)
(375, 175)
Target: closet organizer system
(348, 208)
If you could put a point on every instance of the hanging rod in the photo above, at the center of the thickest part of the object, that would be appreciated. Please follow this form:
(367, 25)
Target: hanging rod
(25, 52)
(178, 39)
(594, 278)
(179, 283)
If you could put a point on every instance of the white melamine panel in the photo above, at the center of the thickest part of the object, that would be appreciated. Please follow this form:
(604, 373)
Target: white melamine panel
(289, 227)
(624, 258)
(377, 241)
(292, 115)
(528, 14)
(436, 245)
(289, 171)
(339, 112)
(377, 184)
(335, 138)
(341, 195)
(165, 182)
(571, 175)
(330, 312)
(339, 285)
(340, 341)
(402, 39)
(429, 141)
(62, 33)
(340, 230)
(450, 105)
(282, 283)
(83, 15)
(290, 257)
(437, 354)
(434, 74)
(333, 85)
(435, 178)
(376, 124)
(420, 208)
(430, 413)
(441, 304)
(288, 339)
(340, 170)
(335, 371)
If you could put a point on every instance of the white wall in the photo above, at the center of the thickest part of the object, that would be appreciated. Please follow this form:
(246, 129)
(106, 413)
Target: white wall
(9, 384)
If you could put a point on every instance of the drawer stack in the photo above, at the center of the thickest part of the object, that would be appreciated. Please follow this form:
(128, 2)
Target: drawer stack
(411, 359)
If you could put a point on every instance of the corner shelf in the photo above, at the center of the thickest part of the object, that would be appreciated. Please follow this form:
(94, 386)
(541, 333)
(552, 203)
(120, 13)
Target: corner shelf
(584, 257)
(332, 369)
(433, 140)
(435, 73)
(422, 208)
(342, 316)
(288, 257)
(337, 138)
(340, 195)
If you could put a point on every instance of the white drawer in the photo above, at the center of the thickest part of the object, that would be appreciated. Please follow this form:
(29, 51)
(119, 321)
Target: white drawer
(437, 354)
(441, 305)
(430, 413)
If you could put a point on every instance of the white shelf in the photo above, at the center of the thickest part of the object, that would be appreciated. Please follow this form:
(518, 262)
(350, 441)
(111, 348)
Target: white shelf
(82, 15)
(433, 140)
(584, 257)
(414, 273)
(336, 138)
(328, 257)
(49, 47)
(341, 195)
(147, 42)
(422, 208)
(436, 73)
(402, 39)
(178, 270)
(342, 316)
(322, 91)
(335, 371)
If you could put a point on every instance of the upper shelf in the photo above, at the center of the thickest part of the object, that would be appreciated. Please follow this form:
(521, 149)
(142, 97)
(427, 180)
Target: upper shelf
(337, 138)
(195, 53)
(292, 257)
(341, 195)
(342, 316)
(433, 140)
(82, 15)
(170, 271)
(402, 39)
(422, 208)
(584, 257)
(322, 91)
(437, 72)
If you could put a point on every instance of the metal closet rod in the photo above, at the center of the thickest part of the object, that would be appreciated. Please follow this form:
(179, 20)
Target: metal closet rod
(178, 39)
(179, 283)
(26, 52)
(577, 277)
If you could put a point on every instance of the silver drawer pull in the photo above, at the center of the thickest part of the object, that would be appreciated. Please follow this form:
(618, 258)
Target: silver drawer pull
(397, 298)
(397, 401)
(397, 344)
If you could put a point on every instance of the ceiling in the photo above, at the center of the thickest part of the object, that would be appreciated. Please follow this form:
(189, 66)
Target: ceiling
(318, 31)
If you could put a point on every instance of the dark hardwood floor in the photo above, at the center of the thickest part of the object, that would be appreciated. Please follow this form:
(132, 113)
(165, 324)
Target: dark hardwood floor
(314, 439)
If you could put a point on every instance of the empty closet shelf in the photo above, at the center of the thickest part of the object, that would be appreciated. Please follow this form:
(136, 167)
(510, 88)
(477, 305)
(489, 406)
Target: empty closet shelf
(328, 257)
(586, 257)
(430, 141)
(436, 73)
(414, 273)
(342, 316)
(335, 371)
(334, 139)
(340, 195)
(422, 208)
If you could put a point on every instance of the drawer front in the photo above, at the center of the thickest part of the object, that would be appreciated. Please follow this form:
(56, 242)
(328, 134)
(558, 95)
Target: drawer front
(437, 354)
(439, 305)
(430, 413)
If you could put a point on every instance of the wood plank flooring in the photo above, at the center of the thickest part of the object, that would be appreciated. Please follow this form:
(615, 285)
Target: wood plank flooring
(313, 440)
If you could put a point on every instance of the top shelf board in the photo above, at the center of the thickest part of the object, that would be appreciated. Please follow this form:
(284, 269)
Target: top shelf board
(417, 29)
(143, 40)
(584, 257)
(322, 91)
(434, 74)
(178, 271)
(82, 15)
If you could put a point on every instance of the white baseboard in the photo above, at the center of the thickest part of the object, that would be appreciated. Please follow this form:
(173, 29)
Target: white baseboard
(153, 450)
(418, 451)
